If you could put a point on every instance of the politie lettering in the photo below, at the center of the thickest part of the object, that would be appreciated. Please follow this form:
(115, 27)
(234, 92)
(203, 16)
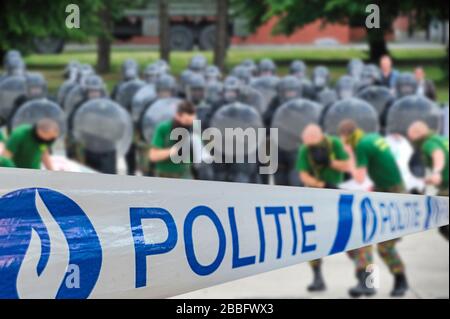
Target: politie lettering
(263, 216)
(387, 217)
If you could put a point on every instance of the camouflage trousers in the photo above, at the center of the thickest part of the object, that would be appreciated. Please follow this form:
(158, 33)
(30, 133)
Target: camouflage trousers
(363, 257)
(316, 263)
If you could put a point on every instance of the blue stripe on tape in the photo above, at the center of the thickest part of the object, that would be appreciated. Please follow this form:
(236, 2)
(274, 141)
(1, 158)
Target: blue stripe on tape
(344, 224)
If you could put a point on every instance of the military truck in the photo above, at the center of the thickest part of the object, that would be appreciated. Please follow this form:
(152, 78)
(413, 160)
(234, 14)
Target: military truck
(192, 23)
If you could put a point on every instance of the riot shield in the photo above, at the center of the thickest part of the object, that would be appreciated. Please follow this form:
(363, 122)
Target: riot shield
(63, 90)
(11, 88)
(355, 109)
(102, 126)
(159, 111)
(237, 146)
(126, 92)
(141, 100)
(236, 116)
(377, 96)
(267, 86)
(73, 98)
(327, 97)
(32, 111)
(409, 109)
(291, 118)
(254, 98)
(308, 91)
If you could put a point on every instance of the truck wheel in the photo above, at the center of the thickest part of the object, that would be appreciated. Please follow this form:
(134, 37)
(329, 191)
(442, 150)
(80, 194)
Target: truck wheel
(181, 38)
(48, 45)
(207, 38)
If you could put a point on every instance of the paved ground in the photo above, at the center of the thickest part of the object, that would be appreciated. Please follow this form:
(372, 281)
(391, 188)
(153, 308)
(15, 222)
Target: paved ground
(425, 254)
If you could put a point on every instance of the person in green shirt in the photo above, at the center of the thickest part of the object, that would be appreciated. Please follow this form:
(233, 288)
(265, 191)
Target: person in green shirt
(164, 149)
(29, 145)
(434, 152)
(4, 162)
(321, 163)
(373, 157)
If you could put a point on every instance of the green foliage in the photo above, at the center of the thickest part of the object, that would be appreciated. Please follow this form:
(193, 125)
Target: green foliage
(23, 20)
(296, 13)
(293, 14)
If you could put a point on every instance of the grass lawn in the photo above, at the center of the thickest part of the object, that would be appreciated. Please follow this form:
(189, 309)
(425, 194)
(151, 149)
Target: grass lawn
(52, 65)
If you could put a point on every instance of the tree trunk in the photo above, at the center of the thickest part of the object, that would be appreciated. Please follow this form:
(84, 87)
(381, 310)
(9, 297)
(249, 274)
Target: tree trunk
(377, 44)
(220, 49)
(104, 43)
(164, 30)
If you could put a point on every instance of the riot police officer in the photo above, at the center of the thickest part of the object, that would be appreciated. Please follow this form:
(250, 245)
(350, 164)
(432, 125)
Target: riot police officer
(345, 87)
(36, 88)
(166, 86)
(129, 71)
(288, 88)
(267, 68)
(320, 79)
(354, 68)
(370, 75)
(405, 84)
(195, 90)
(298, 69)
(212, 74)
(198, 64)
(93, 87)
(242, 73)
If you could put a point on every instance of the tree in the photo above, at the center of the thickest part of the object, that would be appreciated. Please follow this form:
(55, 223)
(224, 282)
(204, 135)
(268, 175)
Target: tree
(164, 30)
(108, 11)
(104, 41)
(297, 13)
(221, 44)
(21, 21)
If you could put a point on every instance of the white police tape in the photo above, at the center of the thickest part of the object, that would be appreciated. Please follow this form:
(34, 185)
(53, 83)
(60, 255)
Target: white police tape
(69, 235)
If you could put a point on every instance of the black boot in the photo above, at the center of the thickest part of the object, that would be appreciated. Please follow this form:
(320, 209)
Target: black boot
(318, 283)
(400, 285)
(444, 231)
(361, 288)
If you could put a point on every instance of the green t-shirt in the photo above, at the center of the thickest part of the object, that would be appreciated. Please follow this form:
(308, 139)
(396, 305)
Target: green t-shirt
(161, 139)
(2, 137)
(373, 152)
(325, 174)
(26, 150)
(6, 162)
(432, 143)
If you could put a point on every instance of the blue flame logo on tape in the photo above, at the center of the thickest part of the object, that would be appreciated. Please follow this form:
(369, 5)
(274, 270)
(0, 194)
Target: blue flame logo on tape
(20, 217)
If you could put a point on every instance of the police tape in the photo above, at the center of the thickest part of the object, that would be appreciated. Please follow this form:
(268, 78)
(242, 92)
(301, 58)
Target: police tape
(66, 235)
